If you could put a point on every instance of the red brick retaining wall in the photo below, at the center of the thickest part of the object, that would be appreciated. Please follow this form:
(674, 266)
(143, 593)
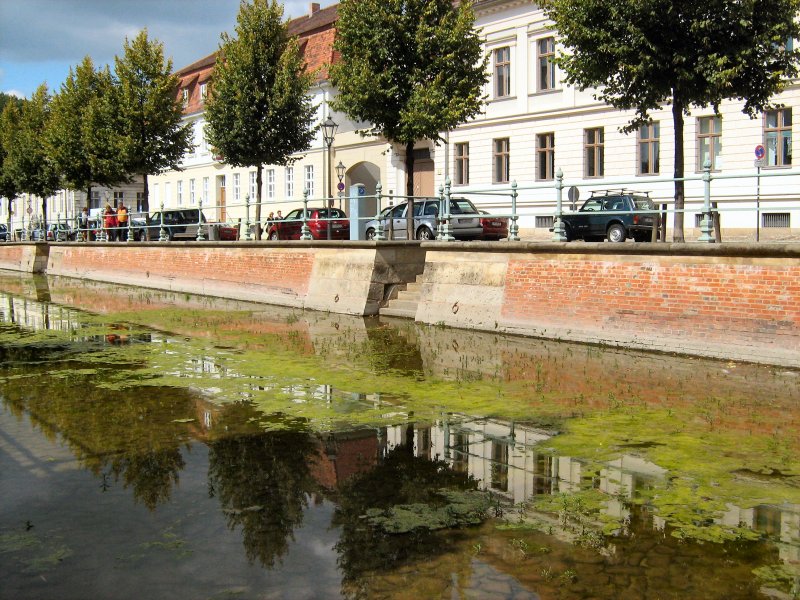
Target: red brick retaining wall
(734, 302)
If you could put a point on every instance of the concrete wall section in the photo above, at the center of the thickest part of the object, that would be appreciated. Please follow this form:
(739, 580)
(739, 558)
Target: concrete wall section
(29, 258)
(463, 288)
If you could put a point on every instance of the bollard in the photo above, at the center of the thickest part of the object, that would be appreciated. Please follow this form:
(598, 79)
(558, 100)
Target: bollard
(513, 227)
(447, 229)
(247, 235)
(129, 223)
(559, 232)
(379, 233)
(305, 232)
(706, 225)
(200, 235)
(162, 234)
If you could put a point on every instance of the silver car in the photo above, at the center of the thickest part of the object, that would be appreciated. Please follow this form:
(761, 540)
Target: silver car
(465, 221)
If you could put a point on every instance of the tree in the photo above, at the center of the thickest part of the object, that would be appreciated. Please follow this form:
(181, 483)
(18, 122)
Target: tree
(642, 54)
(9, 118)
(150, 113)
(260, 110)
(72, 135)
(412, 68)
(30, 166)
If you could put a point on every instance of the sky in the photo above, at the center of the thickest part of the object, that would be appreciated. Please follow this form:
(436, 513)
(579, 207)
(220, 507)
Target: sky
(41, 39)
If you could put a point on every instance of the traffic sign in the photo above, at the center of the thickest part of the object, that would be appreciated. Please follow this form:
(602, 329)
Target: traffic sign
(340, 186)
(30, 210)
(760, 152)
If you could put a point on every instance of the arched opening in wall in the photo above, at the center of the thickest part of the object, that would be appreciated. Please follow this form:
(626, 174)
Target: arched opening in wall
(368, 174)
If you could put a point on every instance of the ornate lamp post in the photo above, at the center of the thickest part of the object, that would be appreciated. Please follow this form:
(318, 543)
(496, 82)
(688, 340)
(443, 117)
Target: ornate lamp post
(329, 127)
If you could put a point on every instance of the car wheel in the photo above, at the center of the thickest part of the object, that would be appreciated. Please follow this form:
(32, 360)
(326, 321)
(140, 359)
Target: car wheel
(616, 233)
(424, 234)
(273, 237)
(370, 234)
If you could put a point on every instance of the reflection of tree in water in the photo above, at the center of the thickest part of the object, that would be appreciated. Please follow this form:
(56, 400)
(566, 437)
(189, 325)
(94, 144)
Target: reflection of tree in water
(150, 474)
(134, 436)
(262, 481)
(400, 479)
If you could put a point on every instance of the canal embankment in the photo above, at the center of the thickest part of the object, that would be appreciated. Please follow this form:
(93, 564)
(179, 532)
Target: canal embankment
(731, 301)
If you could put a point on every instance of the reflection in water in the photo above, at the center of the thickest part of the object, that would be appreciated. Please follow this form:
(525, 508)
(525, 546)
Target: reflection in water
(602, 472)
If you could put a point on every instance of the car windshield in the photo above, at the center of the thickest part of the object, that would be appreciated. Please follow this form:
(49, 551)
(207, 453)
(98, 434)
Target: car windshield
(462, 206)
(330, 213)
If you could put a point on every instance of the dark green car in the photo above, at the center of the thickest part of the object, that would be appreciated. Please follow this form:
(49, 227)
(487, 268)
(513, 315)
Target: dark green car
(615, 216)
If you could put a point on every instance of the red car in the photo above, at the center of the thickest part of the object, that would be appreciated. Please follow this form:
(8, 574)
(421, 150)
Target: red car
(494, 228)
(289, 227)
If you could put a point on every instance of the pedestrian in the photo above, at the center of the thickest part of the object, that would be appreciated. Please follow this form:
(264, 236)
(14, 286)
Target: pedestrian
(279, 215)
(83, 223)
(122, 221)
(109, 222)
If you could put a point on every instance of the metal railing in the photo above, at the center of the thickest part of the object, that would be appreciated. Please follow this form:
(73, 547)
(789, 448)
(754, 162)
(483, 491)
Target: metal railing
(505, 198)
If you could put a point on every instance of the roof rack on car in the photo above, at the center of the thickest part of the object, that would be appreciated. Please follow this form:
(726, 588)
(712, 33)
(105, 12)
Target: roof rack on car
(620, 191)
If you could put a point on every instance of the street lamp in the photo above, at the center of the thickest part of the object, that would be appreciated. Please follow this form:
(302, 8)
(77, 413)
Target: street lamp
(340, 171)
(329, 127)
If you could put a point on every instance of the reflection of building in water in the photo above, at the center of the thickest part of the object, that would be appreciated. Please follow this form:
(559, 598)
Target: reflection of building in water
(504, 458)
(37, 316)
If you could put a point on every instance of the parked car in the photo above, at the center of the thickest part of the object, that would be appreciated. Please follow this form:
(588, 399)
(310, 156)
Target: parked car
(289, 227)
(464, 222)
(228, 232)
(3, 233)
(179, 224)
(613, 215)
(494, 228)
(56, 232)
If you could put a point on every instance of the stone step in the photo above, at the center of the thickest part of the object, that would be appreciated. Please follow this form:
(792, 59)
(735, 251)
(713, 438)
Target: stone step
(406, 305)
(390, 311)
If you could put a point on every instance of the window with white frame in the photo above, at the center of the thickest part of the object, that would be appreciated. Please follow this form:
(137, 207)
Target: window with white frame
(290, 182)
(545, 156)
(502, 160)
(778, 137)
(649, 148)
(185, 96)
(167, 193)
(203, 91)
(179, 192)
(192, 196)
(309, 180)
(709, 142)
(154, 195)
(461, 163)
(270, 184)
(205, 190)
(502, 72)
(593, 152)
(545, 53)
(237, 187)
(253, 188)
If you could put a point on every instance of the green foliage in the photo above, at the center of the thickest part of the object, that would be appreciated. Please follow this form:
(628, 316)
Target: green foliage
(151, 116)
(641, 54)
(28, 161)
(9, 118)
(412, 68)
(260, 111)
(83, 134)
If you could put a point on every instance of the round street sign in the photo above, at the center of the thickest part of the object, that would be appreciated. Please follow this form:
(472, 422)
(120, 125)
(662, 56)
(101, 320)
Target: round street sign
(340, 186)
(760, 152)
(30, 210)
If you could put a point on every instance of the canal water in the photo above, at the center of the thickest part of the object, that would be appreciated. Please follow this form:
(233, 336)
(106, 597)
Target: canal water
(157, 445)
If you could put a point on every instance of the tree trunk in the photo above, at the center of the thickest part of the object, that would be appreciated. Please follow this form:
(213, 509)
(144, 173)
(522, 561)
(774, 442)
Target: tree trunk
(44, 217)
(410, 190)
(88, 198)
(258, 201)
(146, 204)
(677, 120)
